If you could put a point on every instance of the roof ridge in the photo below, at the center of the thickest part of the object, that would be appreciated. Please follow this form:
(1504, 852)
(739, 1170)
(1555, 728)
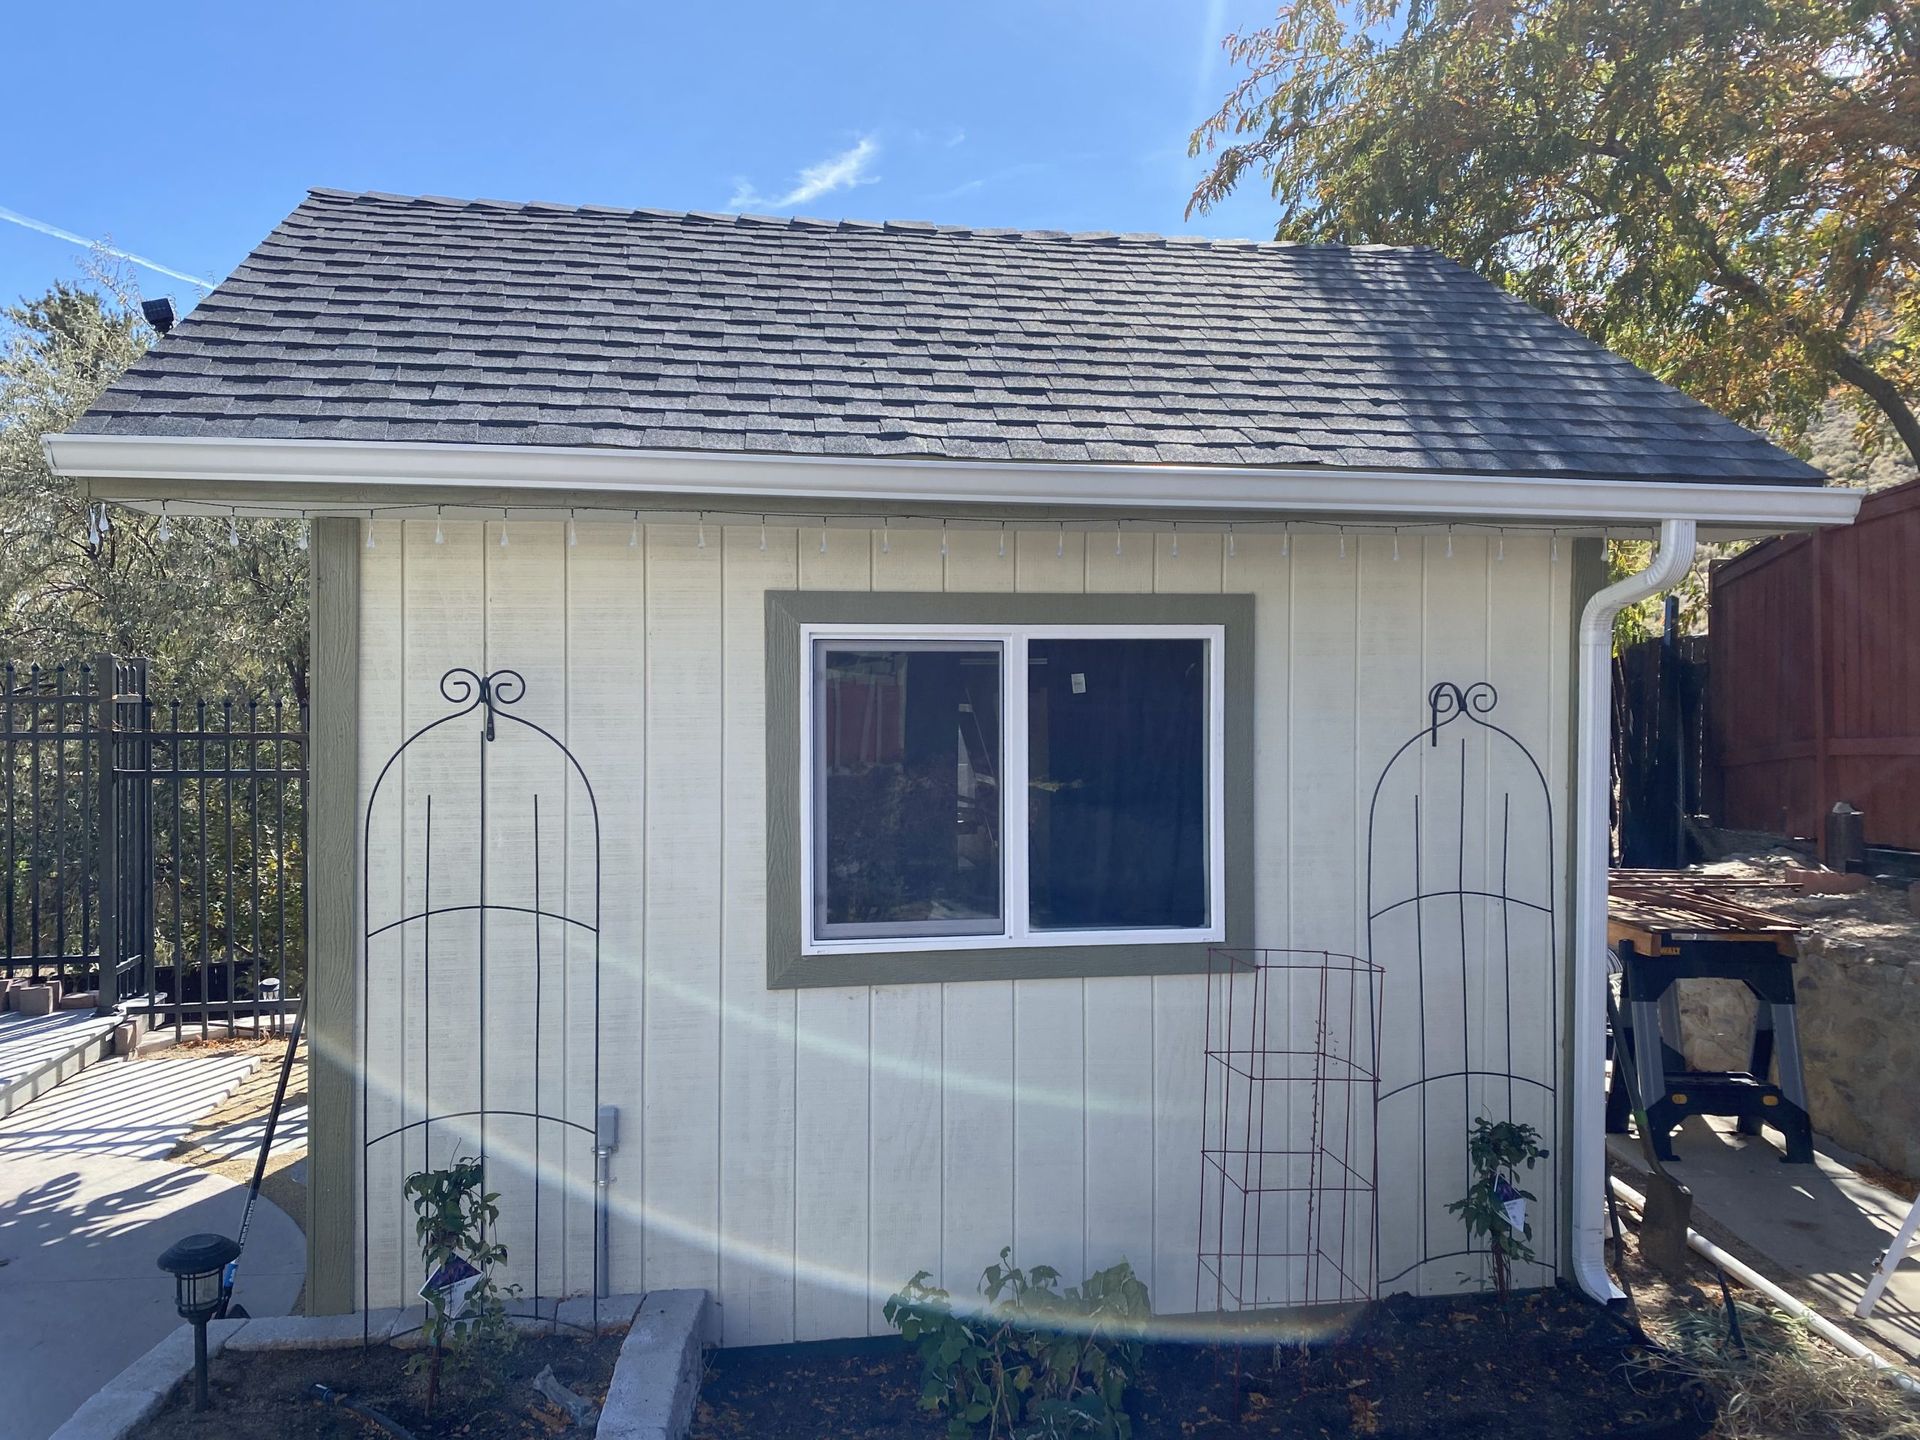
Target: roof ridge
(749, 219)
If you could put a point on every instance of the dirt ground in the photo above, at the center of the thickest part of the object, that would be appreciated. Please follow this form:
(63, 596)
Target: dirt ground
(1787, 1383)
(264, 1395)
(1878, 918)
(1547, 1363)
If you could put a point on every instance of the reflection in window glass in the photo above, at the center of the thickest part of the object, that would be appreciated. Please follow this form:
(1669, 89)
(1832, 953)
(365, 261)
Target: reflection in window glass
(1116, 796)
(907, 789)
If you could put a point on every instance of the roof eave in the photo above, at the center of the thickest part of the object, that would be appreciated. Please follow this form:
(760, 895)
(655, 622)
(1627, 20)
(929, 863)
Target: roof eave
(343, 475)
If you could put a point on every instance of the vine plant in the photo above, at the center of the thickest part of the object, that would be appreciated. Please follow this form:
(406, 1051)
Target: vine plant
(1496, 1153)
(454, 1214)
(1030, 1363)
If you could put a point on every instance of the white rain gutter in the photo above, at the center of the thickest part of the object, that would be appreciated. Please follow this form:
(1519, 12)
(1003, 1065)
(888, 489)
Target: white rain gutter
(363, 473)
(1753, 1279)
(1591, 852)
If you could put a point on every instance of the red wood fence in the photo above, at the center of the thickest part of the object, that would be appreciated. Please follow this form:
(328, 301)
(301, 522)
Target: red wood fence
(1814, 676)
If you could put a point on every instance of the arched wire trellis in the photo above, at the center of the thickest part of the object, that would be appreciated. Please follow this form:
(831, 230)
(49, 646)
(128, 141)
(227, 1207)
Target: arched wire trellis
(453, 1107)
(1461, 917)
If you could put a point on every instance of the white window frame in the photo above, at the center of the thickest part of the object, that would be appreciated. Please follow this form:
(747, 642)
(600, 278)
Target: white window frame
(1015, 931)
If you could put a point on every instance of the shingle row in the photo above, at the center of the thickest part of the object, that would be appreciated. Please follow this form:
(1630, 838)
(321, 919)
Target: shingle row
(371, 317)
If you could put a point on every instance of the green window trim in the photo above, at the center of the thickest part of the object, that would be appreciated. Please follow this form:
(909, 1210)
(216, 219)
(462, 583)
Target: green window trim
(788, 610)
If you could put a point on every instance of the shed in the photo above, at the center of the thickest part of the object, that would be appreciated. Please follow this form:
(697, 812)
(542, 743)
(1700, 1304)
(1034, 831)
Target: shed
(918, 653)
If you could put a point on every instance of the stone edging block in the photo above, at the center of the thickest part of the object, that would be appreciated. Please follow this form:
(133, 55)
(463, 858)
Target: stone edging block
(657, 1377)
(127, 1401)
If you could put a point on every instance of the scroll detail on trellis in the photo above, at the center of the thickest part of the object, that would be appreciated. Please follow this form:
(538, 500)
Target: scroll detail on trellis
(480, 978)
(1461, 918)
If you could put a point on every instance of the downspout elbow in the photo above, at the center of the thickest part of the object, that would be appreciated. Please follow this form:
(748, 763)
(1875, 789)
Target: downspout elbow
(1594, 698)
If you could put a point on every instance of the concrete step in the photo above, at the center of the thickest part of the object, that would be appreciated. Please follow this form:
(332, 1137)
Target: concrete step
(37, 1052)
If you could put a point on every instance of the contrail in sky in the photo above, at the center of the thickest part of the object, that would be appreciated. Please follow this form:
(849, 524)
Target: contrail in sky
(16, 218)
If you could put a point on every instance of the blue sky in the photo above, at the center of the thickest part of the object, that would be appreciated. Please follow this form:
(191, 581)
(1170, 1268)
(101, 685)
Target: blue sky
(200, 125)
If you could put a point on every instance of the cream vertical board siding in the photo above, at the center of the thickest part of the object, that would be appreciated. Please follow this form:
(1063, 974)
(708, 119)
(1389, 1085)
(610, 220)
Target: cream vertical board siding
(685, 708)
(836, 1081)
(801, 1153)
(383, 643)
(757, 1057)
(606, 729)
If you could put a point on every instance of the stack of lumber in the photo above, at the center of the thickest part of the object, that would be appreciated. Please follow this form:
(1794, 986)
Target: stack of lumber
(1654, 908)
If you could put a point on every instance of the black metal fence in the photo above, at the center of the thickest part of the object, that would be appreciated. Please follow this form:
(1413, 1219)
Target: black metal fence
(1659, 747)
(168, 835)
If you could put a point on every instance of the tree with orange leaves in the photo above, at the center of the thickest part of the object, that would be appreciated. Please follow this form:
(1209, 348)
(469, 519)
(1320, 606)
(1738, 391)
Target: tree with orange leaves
(1725, 191)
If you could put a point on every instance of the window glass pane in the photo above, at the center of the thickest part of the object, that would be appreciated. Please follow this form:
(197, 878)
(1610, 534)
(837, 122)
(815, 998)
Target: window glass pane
(1117, 790)
(907, 788)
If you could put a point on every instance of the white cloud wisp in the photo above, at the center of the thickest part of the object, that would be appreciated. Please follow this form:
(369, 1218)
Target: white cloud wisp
(837, 172)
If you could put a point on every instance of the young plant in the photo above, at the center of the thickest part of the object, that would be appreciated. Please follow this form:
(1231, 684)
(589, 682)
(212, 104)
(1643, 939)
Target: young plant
(1496, 1152)
(1030, 1363)
(454, 1213)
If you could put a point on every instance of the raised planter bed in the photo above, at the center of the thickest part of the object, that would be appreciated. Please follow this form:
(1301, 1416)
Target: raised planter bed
(642, 1368)
(1548, 1364)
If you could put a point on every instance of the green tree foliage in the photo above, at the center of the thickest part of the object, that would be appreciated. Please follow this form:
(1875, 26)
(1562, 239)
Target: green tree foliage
(216, 618)
(1723, 191)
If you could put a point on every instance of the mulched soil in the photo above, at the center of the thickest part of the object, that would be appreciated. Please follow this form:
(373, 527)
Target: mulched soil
(1551, 1364)
(262, 1395)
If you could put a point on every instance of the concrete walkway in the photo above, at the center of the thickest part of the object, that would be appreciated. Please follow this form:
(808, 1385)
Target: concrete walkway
(37, 1052)
(1821, 1223)
(135, 1108)
(88, 1202)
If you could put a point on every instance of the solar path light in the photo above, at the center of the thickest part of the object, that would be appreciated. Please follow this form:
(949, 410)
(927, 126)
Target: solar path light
(197, 1264)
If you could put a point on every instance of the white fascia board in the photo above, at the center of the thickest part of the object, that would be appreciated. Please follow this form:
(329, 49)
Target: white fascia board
(398, 474)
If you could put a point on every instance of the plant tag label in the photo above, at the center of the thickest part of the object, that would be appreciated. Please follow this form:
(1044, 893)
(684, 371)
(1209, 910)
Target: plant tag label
(1079, 682)
(1512, 1203)
(453, 1282)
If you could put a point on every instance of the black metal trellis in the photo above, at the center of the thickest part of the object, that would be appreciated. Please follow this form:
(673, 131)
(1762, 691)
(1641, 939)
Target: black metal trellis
(510, 945)
(1470, 902)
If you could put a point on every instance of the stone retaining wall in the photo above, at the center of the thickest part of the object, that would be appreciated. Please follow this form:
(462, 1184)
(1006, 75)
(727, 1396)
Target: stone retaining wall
(1859, 1039)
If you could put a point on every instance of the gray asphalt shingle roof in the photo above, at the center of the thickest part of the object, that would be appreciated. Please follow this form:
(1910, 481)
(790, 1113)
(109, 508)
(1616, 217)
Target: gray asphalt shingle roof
(383, 317)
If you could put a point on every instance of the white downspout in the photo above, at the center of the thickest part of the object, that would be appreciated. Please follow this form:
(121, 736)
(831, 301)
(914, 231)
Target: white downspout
(1591, 853)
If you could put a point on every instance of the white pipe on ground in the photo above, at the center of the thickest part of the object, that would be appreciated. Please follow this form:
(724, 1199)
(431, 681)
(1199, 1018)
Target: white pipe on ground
(1753, 1279)
(1590, 856)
